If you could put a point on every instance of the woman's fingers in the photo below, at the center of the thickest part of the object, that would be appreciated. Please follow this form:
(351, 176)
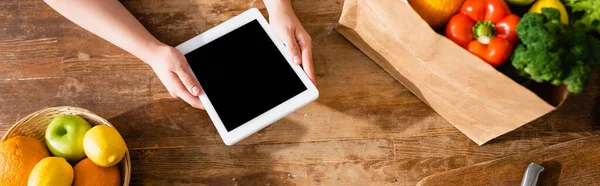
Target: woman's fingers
(173, 71)
(177, 88)
(290, 42)
(305, 43)
(188, 80)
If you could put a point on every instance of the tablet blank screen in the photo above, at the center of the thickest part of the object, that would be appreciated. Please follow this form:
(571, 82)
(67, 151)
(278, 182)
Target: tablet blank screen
(244, 74)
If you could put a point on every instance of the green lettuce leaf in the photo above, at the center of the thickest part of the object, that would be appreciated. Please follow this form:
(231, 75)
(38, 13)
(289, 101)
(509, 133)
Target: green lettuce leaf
(585, 14)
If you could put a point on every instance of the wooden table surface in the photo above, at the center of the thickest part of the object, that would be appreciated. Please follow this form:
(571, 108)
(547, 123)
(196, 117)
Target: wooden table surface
(365, 129)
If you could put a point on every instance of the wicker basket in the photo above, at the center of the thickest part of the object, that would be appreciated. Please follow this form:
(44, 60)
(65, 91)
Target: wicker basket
(35, 124)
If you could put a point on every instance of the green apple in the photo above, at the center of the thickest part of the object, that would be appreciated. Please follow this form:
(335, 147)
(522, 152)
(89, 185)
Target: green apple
(520, 2)
(64, 137)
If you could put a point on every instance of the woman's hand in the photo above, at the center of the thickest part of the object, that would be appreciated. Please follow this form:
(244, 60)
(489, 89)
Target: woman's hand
(288, 29)
(173, 71)
(122, 29)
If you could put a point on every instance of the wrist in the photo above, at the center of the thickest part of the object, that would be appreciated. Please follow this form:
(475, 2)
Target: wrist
(278, 6)
(148, 53)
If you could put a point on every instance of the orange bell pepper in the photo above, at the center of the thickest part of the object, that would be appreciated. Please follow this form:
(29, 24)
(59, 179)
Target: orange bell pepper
(486, 28)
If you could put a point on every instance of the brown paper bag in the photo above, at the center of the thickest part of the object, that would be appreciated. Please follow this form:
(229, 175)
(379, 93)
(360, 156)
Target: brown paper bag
(473, 96)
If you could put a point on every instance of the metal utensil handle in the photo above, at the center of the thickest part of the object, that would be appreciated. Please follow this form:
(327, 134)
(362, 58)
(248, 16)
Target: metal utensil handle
(531, 174)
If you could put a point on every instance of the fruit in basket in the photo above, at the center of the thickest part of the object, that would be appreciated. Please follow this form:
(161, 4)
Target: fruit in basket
(51, 171)
(436, 12)
(18, 156)
(64, 137)
(89, 174)
(104, 145)
(485, 28)
(520, 2)
(539, 4)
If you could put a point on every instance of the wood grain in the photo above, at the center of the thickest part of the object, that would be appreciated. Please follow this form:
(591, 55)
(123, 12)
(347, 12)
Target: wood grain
(365, 129)
(32, 58)
(571, 163)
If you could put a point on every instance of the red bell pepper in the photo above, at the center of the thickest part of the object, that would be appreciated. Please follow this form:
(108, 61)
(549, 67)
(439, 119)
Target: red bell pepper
(486, 28)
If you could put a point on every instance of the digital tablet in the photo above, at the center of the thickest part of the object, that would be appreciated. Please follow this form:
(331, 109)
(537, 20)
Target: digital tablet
(247, 77)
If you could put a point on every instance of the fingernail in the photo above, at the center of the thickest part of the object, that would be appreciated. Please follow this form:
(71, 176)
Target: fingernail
(297, 60)
(195, 90)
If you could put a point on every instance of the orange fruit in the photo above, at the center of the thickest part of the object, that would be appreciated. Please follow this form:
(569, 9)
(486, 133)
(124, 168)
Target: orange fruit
(89, 174)
(436, 12)
(18, 156)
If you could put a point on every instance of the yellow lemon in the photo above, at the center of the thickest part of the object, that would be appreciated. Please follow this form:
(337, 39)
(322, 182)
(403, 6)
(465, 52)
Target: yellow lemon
(51, 171)
(104, 145)
(539, 4)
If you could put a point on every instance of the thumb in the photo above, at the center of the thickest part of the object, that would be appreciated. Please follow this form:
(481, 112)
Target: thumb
(189, 81)
(292, 45)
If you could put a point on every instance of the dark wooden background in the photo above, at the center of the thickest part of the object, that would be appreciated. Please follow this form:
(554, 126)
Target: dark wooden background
(365, 129)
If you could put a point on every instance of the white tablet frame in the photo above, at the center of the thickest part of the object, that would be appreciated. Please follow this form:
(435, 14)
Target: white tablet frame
(265, 119)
